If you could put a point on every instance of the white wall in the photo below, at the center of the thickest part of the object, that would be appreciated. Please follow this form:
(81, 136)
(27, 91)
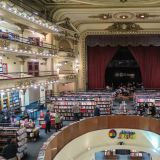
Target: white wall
(27, 97)
(12, 62)
(34, 94)
(86, 145)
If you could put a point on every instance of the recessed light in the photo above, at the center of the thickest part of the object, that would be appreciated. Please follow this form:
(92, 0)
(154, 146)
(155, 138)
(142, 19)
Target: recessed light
(123, 16)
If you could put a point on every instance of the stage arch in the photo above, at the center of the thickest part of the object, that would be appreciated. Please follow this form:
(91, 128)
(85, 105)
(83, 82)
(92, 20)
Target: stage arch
(144, 48)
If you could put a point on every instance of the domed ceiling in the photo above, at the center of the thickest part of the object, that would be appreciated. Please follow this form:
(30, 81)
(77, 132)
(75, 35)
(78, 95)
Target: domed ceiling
(101, 14)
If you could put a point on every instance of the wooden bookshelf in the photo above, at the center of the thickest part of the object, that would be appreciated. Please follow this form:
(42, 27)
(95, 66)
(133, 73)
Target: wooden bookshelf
(87, 103)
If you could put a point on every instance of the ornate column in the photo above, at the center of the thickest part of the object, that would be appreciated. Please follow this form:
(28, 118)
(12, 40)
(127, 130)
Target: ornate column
(45, 62)
(22, 27)
(22, 97)
(55, 89)
(22, 62)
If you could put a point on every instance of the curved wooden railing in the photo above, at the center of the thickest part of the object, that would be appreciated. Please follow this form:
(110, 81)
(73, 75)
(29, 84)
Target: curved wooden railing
(67, 134)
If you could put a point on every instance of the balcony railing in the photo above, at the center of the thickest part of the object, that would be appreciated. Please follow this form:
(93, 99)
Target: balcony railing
(66, 72)
(21, 75)
(29, 8)
(25, 41)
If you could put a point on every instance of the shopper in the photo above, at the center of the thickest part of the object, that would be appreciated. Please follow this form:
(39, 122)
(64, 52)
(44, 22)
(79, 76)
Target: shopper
(76, 111)
(61, 121)
(57, 121)
(153, 110)
(47, 119)
(25, 115)
(96, 111)
(10, 150)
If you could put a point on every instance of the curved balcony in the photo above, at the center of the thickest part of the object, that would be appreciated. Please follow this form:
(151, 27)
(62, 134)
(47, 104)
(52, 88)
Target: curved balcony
(15, 79)
(57, 142)
(23, 46)
(66, 52)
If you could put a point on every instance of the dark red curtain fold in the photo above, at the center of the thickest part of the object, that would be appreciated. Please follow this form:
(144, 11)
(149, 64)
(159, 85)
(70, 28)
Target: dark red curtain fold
(148, 59)
(98, 59)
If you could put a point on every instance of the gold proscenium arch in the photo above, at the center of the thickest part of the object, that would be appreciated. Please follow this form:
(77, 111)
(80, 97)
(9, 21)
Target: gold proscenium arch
(83, 74)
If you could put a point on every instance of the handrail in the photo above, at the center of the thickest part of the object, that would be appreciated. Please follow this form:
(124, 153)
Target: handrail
(21, 75)
(26, 41)
(67, 134)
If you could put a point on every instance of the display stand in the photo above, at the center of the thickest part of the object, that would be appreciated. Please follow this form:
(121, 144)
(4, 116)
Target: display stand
(42, 121)
(33, 133)
(18, 135)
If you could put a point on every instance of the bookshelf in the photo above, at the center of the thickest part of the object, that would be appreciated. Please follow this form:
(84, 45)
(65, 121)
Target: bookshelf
(0, 103)
(87, 102)
(10, 100)
(148, 98)
(18, 135)
(5, 100)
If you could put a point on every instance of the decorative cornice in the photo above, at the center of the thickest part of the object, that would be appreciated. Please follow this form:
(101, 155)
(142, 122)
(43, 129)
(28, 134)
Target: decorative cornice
(123, 27)
(22, 46)
(24, 83)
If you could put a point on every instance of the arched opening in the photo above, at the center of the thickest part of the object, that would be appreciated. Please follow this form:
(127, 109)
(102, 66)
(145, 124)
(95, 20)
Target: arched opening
(122, 69)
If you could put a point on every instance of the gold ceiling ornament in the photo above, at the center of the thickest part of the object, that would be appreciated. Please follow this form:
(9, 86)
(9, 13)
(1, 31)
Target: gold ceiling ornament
(22, 27)
(124, 27)
(102, 16)
(44, 34)
(24, 47)
(4, 43)
(22, 59)
(66, 24)
(145, 15)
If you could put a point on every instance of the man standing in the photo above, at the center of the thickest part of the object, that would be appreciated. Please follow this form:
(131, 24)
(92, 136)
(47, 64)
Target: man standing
(47, 119)
(76, 111)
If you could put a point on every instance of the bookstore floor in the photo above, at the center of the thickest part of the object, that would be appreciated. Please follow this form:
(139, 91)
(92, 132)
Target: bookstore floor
(34, 147)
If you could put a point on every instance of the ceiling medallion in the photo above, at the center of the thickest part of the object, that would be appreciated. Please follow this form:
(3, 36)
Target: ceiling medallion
(123, 16)
(124, 27)
(102, 16)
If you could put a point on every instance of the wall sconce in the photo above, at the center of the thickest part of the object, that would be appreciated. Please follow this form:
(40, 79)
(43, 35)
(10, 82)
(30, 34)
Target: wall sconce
(58, 67)
(76, 67)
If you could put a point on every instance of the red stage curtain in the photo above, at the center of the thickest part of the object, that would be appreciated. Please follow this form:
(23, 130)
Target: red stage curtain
(148, 59)
(98, 59)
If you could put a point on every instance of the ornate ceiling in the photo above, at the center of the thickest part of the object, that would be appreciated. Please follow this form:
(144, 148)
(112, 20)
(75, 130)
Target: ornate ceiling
(100, 14)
